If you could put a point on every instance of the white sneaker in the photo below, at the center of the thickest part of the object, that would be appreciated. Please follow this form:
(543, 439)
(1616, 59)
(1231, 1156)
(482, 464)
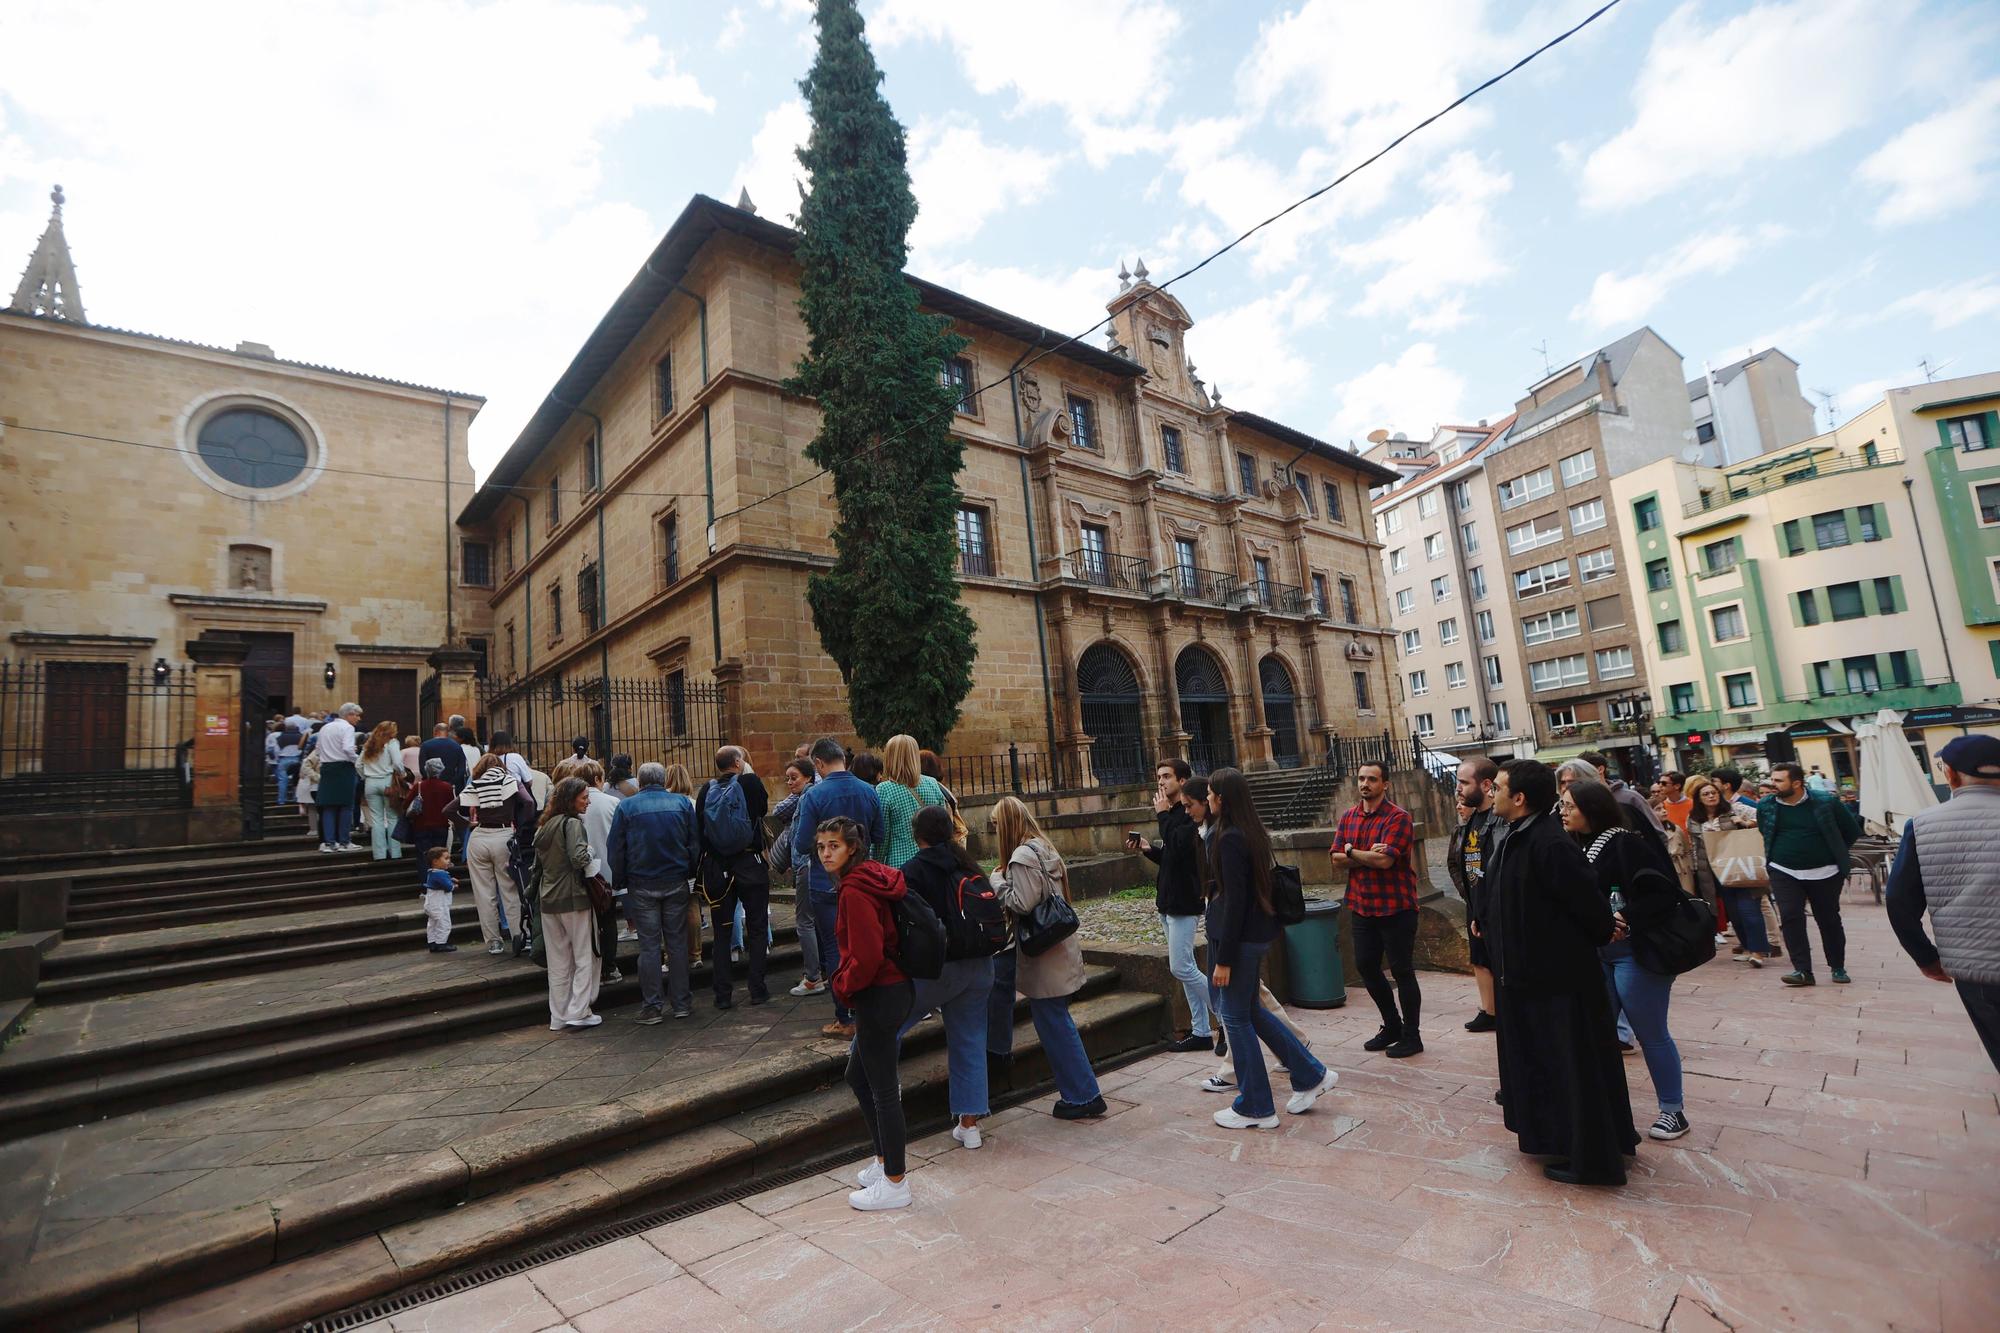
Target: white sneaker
(497, 947)
(626, 934)
(805, 988)
(326, 847)
(884, 1193)
(1217, 1083)
(555, 1025)
(590, 1022)
(1302, 1102)
(1721, 940)
(967, 1135)
(1228, 1119)
(870, 1174)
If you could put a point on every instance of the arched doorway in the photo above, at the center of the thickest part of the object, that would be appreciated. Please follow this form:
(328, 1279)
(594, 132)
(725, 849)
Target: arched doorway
(1281, 710)
(1108, 690)
(1204, 709)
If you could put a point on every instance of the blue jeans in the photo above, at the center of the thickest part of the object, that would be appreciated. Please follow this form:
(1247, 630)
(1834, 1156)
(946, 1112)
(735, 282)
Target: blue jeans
(1063, 1045)
(1247, 1022)
(1180, 961)
(1747, 915)
(1000, 1007)
(335, 823)
(1641, 995)
(960, 994)
(826, 910)
(288, 772)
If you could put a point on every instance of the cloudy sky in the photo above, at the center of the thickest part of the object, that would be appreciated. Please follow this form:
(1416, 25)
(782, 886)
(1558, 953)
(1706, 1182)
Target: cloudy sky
(452, 191)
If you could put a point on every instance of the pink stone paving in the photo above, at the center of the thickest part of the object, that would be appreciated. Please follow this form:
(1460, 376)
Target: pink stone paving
(1840, 1176)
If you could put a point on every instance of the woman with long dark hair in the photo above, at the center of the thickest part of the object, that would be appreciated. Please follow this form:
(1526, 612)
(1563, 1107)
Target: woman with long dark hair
(959, 996)
(1241, 927)
(563, 861)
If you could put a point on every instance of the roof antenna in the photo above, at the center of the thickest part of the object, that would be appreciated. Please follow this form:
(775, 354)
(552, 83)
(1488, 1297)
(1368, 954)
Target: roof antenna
(1826, 399)
(1543, 348)
(1931, 371)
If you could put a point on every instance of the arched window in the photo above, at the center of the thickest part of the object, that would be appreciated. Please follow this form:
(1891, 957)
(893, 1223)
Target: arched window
(1108, 690)
(1204, 695)
(1281, 710)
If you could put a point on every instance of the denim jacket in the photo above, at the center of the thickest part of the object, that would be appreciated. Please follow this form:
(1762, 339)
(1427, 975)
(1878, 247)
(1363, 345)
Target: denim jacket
(652, 840)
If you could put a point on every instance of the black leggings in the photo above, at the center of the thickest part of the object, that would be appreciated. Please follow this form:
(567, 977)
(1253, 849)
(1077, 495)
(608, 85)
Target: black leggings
(872, 1071)
(1395, 934)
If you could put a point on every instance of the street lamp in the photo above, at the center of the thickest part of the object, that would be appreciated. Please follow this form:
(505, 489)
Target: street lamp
(161, 671)
(328, 675)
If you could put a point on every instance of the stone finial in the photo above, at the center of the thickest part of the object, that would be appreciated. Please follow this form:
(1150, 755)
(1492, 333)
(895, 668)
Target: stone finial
(48, 285)
(1110, 335)
(1124, 278)
(56, 198)
(1215, 396)
(743, 202)
(1139, 272)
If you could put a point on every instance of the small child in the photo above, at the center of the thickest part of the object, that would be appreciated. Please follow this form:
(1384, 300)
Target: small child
(438, 886)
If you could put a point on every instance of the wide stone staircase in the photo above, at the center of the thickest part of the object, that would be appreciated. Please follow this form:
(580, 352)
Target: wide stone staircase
(246, 1096)
(1293, 798)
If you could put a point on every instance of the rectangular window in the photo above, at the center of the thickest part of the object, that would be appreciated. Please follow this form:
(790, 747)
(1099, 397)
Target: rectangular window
(1725, 624)
(1468, 538)
(1406, 601)
(1399, 559)
(1594, 565)
(593, 465)
(1830, 529)
(1393, 520)
(1550, 626)
(1095, 557)
(1586, 517)
(1988, 496)
(1082, 422)
(555, 503)
(1170, 445)
(507, 663)
(1533, 486)
(1808, 607)
(663, 388)
(1646, 514)
(1562, 719)
(1448, 630)
(510, 551)
(1427, 504)
(1320, 606)
(1718, 556)
(1605, 612)
(1461, 720)
(1680, 698)
(1871, 523)
(1740, 690)
(1558, 672)
(1659, 575)
(1824, 680)
(1673, 639)
(1246, 479)
(1434, 546)
(1304, 486)
(1793, 537)
(1475, 579)
(1261, 567)
(1461, 495)
(1578, 468)
(1967, 433)
(957, 375)
(677, 707)
(1497, 712)
(555, 612)
(1885, 597)
(1614, 663)
(1535, 532)
(475, 564)
(1413, 641)
(1705, 431)
(1843, 601)
(1622, 710)
(1900, 672)
(1362, 701)
(1424, 727)
(975, 553)
(1334, 512)
(587, 609)
(1185, 562)
(1542, 578)
(1861, 674)
(1454, 676)
(1483, 623)
(1350, 610)
(1420, 682)
(670, 547)
(1440, 588)
(1494, 676)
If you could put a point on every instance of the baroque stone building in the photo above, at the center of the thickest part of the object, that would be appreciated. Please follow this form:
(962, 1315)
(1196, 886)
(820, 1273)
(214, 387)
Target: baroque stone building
(1148, 570)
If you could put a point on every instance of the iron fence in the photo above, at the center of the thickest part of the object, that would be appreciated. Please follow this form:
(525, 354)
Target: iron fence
(94, 734)
(1126, 573)
(668, 720)
(1018, 771)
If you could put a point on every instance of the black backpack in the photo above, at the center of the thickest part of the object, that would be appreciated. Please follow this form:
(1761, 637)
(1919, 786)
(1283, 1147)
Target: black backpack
(977, 927)
(920, 941)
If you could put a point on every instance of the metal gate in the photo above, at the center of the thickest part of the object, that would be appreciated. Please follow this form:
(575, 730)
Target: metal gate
(1204, 710)
(250, 756)
(1281, 711)
(1108, 690)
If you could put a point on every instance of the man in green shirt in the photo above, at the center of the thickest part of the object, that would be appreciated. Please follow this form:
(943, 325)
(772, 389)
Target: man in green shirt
(1806, 837)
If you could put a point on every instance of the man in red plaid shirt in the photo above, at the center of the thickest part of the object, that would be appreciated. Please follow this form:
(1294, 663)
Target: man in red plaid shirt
(1373, 846)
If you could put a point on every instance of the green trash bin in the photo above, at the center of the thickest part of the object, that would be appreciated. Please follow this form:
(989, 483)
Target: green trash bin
(1312, 958)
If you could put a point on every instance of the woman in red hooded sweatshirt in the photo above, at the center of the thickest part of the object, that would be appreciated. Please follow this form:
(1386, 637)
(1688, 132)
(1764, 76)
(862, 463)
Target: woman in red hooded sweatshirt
(870, 984)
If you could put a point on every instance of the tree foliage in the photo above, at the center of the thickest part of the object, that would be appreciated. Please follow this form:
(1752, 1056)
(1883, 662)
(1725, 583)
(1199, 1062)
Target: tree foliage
(888, 612)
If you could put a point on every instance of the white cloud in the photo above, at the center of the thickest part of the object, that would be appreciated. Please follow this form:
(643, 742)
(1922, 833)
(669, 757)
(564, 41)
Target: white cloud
(772, 173)
(1941, 164)
(1949, 306)
(1412, 394)
(419, 198)
(1774, 82)
(1069, 300)
(733, 27)
(1429, 260)
(960, 180)
(1260, 353)
(1105, 66)
(1622, 299)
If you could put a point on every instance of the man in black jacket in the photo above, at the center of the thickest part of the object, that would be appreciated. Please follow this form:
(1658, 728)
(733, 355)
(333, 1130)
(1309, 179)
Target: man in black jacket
(1178, 894)
(733, 871)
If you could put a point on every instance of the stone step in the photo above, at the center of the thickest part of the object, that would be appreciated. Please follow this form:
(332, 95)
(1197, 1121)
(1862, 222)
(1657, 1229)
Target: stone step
(254, 873)
(315, 1250)
(84, 863)
(109, 916)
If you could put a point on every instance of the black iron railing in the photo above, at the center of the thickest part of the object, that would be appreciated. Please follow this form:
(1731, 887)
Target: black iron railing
(1280, 598)
(1127, 573)
(1203, 585)
(1741, 487)
(978, 564)
(668, 719)
(95, 735)
(1849, 688)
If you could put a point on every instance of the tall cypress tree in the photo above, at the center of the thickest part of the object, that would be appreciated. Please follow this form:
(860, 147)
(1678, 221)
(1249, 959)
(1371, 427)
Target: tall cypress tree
(888, 612)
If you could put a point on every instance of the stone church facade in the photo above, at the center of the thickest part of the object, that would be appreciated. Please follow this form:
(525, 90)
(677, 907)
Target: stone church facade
(1148, 570)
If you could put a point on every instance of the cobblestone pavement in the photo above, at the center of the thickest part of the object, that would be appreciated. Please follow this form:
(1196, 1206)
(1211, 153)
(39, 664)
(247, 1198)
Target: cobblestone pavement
(1840, 1176)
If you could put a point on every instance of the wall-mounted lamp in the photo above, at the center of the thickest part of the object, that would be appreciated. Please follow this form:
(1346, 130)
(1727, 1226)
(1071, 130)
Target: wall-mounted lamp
(161, 671)
(328, 675)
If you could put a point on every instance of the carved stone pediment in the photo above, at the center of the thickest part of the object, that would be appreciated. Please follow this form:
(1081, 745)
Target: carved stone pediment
(1358, 651)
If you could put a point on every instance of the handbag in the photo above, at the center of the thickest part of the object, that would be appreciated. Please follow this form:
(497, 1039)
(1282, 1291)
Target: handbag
(1679, 942)
(600, 892)
(1736, 856)
(401, 790)
(1041, 930)
(1288, 895)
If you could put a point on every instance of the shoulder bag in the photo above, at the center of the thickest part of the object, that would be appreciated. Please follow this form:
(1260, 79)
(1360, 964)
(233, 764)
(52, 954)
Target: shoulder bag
(1051, 922)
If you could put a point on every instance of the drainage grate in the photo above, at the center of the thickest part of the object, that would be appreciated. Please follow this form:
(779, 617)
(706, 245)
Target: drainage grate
(382, 1307)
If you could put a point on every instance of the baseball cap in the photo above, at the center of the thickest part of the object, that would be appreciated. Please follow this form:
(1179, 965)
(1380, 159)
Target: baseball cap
(1974, 756)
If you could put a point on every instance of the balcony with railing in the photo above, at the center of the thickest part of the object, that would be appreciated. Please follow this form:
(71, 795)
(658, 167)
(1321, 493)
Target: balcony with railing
(1124, 573)
(1278, 598)
(1203, 585)
(975, 563)
(1776, 475)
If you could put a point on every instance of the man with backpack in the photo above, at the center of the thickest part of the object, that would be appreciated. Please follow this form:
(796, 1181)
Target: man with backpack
(729, 845)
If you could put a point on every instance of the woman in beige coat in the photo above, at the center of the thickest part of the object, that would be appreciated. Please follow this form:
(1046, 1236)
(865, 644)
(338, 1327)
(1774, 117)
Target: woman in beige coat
(1030, 870)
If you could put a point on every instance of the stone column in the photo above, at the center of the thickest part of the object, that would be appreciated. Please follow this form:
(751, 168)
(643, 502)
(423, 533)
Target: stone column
(1257, 750)
(1173, 740)
(458, 685)
(729, 677)
(219, 730)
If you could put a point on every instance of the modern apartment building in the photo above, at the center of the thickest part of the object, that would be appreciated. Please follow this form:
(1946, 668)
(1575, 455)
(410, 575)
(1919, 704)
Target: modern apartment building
(1750, 407)
(1460, 682)
(1816, 584)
